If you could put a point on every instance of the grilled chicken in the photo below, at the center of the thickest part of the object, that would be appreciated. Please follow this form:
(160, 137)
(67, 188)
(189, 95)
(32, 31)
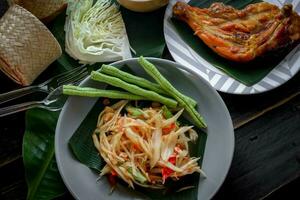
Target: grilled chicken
(242, 35)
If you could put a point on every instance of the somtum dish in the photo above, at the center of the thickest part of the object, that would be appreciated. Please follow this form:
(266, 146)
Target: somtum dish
(144, 146)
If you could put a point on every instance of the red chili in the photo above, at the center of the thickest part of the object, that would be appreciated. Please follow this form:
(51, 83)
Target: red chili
(136, 129)
(169, 128)
(136, 147)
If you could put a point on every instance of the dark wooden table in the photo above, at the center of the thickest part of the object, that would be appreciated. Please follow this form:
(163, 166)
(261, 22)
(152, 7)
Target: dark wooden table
(266, 163)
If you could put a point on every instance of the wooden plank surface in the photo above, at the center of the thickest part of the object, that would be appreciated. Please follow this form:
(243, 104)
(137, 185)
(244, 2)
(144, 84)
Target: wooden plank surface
(244, 108)
(264, 160)
(12, 184)
(266, 154)
(267, 147)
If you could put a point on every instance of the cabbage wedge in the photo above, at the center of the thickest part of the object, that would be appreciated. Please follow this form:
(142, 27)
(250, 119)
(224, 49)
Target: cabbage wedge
(95, 32)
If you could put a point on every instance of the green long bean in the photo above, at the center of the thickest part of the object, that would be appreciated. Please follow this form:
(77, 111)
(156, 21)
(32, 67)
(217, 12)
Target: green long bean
(167, 86)
(150, 95)
(144, 83)
(93, 92)
(129, 78)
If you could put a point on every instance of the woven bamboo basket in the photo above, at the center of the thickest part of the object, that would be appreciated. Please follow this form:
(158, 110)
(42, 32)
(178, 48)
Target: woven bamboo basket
(45, 10)
(27, 47)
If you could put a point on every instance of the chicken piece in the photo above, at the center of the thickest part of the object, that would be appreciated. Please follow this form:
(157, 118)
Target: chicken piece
(242, 35)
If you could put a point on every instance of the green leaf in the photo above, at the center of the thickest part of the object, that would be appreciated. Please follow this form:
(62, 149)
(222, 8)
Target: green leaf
(81, 142)
(57, 28)
(247, 73)
(145, 31)
(42, 176)
(82, 146)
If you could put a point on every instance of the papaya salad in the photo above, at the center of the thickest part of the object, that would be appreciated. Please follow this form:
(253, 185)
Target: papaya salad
(144, 146)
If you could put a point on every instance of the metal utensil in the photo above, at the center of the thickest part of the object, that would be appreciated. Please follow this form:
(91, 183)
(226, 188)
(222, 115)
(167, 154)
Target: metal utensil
(53, 102)
(47, 86)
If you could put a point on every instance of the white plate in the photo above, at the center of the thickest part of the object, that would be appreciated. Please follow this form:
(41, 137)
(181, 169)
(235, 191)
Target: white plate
(82, 182)
(186, 56)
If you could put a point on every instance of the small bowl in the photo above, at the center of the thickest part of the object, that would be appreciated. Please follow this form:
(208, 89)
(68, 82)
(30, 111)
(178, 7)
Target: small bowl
(143, 5)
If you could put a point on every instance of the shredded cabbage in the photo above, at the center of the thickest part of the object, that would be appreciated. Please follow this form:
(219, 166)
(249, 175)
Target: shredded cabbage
(95, 33)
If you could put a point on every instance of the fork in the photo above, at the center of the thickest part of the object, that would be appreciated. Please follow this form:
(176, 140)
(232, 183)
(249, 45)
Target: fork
(47, 86)
(53, 102)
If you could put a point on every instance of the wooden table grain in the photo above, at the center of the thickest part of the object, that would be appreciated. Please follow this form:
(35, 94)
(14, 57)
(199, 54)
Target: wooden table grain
(266, 163)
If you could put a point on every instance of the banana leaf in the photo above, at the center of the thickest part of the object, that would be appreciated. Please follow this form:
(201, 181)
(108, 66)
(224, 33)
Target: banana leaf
(81, 144)
(145, 32)
(57, 28)
(42, 176)
(247, 73)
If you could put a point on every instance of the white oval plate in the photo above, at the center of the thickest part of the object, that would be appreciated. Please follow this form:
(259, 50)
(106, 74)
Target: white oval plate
(186, 56)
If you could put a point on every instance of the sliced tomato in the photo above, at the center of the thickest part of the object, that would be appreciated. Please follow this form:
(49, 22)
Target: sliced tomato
(166, 172)
(172, 159)
(112, 178)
